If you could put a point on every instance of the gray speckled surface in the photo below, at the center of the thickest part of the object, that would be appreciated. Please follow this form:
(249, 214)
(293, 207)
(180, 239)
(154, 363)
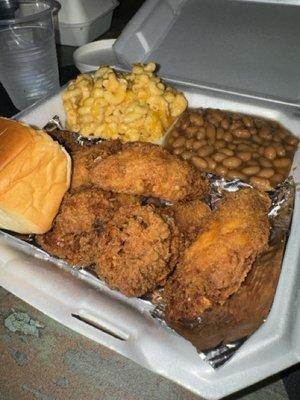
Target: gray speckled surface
(59, 364)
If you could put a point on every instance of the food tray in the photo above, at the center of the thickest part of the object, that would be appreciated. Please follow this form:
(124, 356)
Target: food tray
(78, 300)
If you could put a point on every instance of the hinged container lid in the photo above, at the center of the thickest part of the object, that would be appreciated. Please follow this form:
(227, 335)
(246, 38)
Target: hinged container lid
(250, 47)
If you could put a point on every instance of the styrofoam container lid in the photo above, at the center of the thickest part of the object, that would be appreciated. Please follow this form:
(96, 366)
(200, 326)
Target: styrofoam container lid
(250, 47)
(90, 56)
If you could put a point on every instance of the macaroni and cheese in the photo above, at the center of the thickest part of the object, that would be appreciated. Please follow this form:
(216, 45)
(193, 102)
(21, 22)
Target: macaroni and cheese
(129, 106)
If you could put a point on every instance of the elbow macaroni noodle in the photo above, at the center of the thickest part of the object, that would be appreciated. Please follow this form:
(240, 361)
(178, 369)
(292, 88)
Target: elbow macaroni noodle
(129, 106)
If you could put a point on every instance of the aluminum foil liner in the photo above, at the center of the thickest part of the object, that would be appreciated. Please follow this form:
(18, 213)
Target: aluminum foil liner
(222, 330)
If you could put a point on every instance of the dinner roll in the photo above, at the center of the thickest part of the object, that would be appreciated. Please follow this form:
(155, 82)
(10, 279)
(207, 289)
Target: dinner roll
(35, 173)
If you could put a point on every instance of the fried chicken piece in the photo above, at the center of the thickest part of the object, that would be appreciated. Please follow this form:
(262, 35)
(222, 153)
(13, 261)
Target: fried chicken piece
(148, 170)
(217, 262)
(190, 217)
(137, 250)
(82, 216)
(85, 156)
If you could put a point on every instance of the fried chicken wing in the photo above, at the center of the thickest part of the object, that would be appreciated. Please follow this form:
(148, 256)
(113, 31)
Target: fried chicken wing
(215, 264)
(82, 217)
(137, 250)
(85, 156)
(148, 170)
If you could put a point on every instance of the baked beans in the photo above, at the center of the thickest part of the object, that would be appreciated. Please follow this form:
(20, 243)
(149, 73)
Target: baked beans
(234, 145)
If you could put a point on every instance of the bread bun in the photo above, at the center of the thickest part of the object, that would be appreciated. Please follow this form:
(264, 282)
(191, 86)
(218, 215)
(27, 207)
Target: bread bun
(35, 173)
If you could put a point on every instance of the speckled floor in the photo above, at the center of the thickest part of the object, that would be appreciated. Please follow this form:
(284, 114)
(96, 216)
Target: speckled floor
(41, 359)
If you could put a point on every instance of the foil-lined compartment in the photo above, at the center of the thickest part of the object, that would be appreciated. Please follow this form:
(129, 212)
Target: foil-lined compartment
(222, 330)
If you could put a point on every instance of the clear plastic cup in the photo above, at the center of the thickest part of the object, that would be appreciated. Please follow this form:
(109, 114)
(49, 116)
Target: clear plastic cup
(28, 60)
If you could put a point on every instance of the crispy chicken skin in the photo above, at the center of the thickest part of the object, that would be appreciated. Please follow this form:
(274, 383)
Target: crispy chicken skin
(81, 219)
(84, 156)
(190, 217)
(137, 250)
(148, 170)
(216, 263)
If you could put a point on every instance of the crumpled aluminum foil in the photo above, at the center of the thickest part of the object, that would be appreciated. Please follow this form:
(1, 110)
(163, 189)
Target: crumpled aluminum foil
(280, 215)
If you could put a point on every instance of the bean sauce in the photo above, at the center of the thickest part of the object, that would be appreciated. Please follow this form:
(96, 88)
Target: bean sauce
(233, 145)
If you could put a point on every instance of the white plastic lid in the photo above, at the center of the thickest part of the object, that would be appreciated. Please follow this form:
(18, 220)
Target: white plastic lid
(249, 47)
(90, 56)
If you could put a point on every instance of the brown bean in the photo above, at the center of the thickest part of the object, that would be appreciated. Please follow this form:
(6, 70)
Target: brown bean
(219, 157)
(227, 151)
(247, 121)
(261, 150)
(265, 133)
(210, 131)
(253, 131)
(178, 150)
(292, 140)
(289, 147)
(218, 115)
(266, 173)
(205, 151)
(231, 146)
(227, 137)
(178, 142)
(221, 170)
(225, 123)
(189, 144)
(277, 178)
(281, 133)
(241, 133)
(175, 133)
(186, 155)
(280, 150)
(236, 125)
(170, 140)
(253, 170)
(211, 163)
(244, 155)
(252, 163)
(199, 162)
(196, 119)
(191, 131)
(277, 139)
(260, 183)
(219, 144)
(196, 144)
(257, 139)
(244, 147)
(202, 142)
(233, 174)
(270, 153)
(255, 156)
(232, 162)
(282, 163)
(219, 133)
(200, 134)
(264, 162)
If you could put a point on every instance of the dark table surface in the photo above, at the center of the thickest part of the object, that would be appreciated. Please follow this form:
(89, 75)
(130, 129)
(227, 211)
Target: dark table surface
(56, 363)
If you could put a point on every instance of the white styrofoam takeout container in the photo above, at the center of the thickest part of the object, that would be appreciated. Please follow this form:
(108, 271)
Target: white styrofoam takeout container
(83, 303)
(239, 55)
